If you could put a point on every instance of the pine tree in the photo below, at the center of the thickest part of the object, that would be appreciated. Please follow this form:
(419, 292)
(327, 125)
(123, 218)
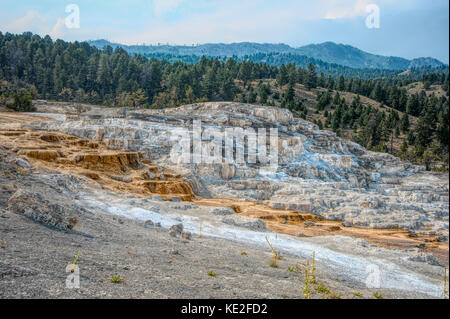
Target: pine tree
(322, 80)
(404, 123)
(245, 72)
(341, 83)
(311, 78)
(282, 76)
(189, 95)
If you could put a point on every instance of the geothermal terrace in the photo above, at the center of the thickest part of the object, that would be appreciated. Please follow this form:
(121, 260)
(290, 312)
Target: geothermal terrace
(104, 182)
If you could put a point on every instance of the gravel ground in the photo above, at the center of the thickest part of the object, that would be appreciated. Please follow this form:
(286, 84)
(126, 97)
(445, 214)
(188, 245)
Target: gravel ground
(152, 264)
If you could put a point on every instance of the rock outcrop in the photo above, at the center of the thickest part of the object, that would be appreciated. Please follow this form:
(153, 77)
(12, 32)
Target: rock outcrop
(43, 209)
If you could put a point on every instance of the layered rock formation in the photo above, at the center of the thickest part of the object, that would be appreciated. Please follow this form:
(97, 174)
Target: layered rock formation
(317, 172)
(120, 171)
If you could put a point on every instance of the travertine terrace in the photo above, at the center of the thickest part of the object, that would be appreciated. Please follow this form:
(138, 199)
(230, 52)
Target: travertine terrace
(352, 207)
(318, 172)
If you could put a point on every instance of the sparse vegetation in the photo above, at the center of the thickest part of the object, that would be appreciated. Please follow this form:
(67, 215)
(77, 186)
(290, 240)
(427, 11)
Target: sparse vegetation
(313, 269)
(116, 279)
(243, 253)
(322, 289)
(310, 278)
(378, 295)
(273, 262)
(77, 257)
(358, 294)
(445, 290)
(22, 171)
(200, 231)
(212, 273)
(274, 252)
(306, 287)
(275, 255)
(74, 262)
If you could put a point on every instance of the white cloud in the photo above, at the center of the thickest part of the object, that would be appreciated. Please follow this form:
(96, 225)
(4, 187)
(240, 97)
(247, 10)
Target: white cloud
(31, 21)
(346, 9)
(162, 7)
(35, 22)
(59, 29)
(41, 24)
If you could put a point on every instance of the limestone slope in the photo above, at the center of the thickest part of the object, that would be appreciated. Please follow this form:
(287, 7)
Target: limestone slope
(318, 172)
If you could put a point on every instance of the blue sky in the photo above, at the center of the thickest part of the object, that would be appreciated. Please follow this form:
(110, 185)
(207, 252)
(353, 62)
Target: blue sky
(408, 28)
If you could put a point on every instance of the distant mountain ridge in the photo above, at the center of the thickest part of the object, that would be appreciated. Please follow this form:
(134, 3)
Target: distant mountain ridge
(328, 52)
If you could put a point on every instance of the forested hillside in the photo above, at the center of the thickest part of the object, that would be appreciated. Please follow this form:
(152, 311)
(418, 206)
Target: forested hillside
(327, 52)
(380, 114)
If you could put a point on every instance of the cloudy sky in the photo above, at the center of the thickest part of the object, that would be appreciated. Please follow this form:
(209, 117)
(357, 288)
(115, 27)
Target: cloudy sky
(408, 28)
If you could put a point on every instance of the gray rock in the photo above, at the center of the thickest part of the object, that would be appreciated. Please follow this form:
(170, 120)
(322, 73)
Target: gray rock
(442, 239)
(425, 258)
(185, 206)
(47, 210)
(347, 224)
(149, 224)
(364, 244)
(186, 235)
(176, 230)
(22, 163)
(249, 223)
(157, 198)
(123, 179)
(223, 211)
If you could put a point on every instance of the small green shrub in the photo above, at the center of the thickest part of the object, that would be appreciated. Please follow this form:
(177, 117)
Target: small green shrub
(321, 289)
(116, 279)
(378, 295)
